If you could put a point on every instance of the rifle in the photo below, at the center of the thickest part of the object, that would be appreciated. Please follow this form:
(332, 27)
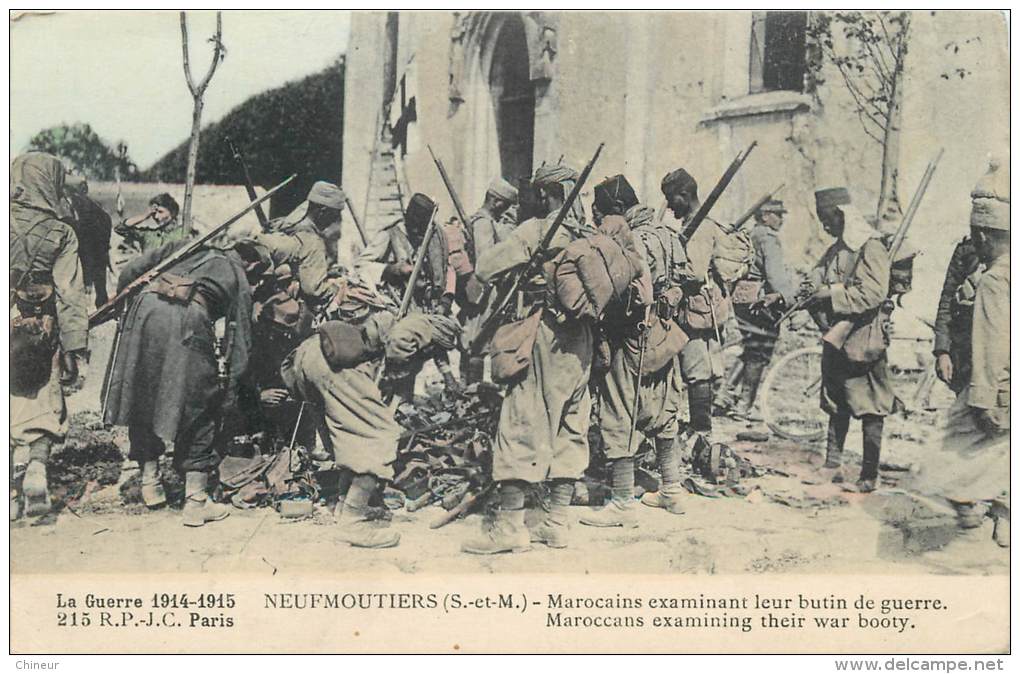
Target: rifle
(248, 186)
(492, 322)
(901, 231)
(713, 196)
(412, 280)
(755, 206)
(354, 216)
(419, 260)
(449, 187)
(108, 310)
(637, 378)
(915, 203)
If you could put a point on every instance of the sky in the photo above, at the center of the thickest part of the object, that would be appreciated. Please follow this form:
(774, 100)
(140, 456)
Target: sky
(122, 71)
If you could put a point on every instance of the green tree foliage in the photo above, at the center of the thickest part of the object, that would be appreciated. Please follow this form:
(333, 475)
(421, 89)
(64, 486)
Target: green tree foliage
(297, 128)
(81, 145)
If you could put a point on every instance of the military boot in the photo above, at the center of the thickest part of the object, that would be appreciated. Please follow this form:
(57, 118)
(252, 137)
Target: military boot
(744, 410)
(153, 494)
(34, 487)
(198, 508)
(355, 528)
(619, 512)
(616, 514)
(835, 439)
(669, 498)
(507, 533)
(671, 492)
(970, 515)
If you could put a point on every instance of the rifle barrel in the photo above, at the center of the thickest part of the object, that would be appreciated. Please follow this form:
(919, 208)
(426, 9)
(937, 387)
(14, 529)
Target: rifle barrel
(449, 187)
(412, 280)
(357, 223)
(755, 206)
(716, 192)
(915, 203)
(249, 186)
(105, 312)
(489, 324)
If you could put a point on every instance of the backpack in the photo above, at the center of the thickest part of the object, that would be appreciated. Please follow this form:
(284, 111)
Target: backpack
(663, 253)
(595, 270)
(733, 255)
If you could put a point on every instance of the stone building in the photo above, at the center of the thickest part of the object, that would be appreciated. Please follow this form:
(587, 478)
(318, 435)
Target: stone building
(501, 92)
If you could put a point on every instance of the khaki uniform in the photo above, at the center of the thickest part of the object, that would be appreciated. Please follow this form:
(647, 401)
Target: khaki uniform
(44, 251)
(701, 360)
(361, 430)
(854, 389)
(543, 424)
(973, 464)
(485, 233)
(301, 246)
(661, 391)
(660, 403)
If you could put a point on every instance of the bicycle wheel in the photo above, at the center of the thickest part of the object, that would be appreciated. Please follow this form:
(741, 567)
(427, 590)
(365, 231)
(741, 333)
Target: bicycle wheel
(789, 396)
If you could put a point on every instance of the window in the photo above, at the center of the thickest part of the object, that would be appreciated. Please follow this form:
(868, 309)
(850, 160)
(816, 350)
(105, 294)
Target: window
(778, 51)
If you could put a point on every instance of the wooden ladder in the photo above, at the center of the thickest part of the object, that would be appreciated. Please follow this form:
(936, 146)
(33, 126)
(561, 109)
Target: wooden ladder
(387, 190)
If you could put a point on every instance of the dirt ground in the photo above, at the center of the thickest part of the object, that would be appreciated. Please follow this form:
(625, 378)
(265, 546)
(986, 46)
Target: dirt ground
(791, 520)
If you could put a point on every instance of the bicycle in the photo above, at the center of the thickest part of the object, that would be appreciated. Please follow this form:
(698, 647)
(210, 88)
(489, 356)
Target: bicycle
(790, 391)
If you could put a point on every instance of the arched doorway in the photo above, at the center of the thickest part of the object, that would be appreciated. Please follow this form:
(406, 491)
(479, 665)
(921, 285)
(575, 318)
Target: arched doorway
(513, 100)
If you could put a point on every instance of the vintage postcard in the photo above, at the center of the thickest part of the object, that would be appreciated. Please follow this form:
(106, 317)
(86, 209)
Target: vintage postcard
(510, 332)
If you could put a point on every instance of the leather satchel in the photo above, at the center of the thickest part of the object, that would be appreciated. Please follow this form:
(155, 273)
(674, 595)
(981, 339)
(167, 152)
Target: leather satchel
(512, 346)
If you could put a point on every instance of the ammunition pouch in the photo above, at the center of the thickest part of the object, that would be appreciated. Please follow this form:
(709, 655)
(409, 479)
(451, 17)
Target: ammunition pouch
(32, 350)
(665, 341)
(746, 291)
(707, 310)
(174, 288)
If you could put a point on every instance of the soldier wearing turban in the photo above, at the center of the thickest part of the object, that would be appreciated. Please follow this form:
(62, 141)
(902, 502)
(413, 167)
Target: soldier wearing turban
(302, 242)
(971, 468)
(543, 424)
(485, 229)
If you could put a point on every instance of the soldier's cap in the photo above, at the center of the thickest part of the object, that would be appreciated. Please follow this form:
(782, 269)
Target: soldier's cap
(502, 189)
(419, 210)
(342, 343)
(326, 194)
(612, 191)
(546, 175)
(990, 199)
(773, 206)
(679, 181)
(832, 196)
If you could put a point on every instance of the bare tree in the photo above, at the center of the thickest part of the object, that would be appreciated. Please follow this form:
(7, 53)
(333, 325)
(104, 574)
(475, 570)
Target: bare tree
(870, 61)
(197, 92)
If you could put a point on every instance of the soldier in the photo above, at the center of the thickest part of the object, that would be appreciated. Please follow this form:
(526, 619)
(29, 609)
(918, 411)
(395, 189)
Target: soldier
(336, 371)
(49, 325)
(387, 263)
(93, 226)
(972, 468)
(156, 227)
(543, 423)
(618, 392)
(281, 322)
(303, 244)
(703, 311)
(767, 287)
(851, 283)
(954, 317)
(163, 382)
(485, 230)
